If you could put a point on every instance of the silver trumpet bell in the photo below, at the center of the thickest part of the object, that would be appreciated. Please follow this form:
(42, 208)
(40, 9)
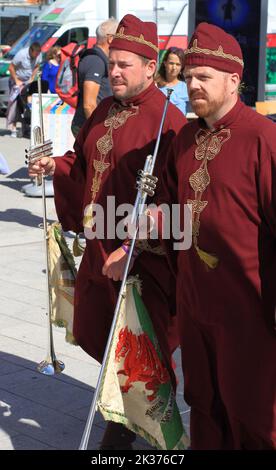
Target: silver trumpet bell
(50, 368)
(51, 365)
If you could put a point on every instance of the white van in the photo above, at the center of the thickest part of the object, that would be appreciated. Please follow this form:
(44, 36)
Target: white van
(67, 21)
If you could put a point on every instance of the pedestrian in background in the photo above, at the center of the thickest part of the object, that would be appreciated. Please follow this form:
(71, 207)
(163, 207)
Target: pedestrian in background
(23, 69)
(170, 75)
(50, 68)
(93, 74)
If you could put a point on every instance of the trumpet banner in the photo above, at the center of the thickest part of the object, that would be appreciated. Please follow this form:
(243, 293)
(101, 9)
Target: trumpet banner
(63, 272)
(136, 389)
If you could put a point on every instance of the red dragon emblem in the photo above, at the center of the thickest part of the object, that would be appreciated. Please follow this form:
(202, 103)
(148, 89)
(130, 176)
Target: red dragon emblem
(141, 362)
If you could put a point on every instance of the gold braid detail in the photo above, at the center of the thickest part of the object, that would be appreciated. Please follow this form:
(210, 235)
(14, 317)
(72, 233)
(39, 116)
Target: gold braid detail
(218, 53)
(140, 39)
(208, 146)
(117, 117)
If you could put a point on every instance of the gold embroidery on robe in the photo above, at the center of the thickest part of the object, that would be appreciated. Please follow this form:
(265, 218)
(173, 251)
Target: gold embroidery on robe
(117, 117)
(208, 146)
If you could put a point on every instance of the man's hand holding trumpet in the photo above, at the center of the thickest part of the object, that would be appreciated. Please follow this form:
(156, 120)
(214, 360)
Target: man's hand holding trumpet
(39, 159)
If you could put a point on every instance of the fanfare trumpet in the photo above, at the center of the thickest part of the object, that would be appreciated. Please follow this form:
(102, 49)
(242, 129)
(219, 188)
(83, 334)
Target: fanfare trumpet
(50, 365)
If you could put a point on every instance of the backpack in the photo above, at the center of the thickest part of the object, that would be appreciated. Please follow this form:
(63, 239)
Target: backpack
(67, 86)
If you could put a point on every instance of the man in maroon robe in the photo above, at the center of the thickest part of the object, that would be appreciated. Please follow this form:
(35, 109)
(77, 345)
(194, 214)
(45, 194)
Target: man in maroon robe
(224, 165)
(110, 148)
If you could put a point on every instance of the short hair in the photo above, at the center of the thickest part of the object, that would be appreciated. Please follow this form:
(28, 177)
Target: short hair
(104, 29)
(161, 76)
(35, 46)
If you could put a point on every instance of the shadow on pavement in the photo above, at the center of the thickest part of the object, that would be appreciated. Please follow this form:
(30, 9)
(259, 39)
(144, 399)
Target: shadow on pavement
(16, 179)
(19, 178)
(41, 412)
(4, 131)
(16, 185)
(22, 217)
(21, 173)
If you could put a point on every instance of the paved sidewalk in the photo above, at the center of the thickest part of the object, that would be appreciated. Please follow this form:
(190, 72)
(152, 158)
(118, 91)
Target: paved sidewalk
(37, 412)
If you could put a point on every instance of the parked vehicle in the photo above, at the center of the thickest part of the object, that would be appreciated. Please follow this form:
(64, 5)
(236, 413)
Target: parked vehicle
(67, 21)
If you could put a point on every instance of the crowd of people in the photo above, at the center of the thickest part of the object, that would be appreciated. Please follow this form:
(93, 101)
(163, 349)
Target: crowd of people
(93, 79)
(216, 299)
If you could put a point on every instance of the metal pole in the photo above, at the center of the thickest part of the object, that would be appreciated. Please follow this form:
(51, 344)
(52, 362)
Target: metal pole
(31, 19)
(262, 51)
(156, 12)
(112, 8)
(191, 18)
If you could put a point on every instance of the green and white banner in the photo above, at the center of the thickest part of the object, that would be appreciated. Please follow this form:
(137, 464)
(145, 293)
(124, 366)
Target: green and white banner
(136, 388)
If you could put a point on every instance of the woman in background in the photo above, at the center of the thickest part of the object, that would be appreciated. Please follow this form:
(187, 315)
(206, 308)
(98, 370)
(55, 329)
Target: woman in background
(50, 68)
(170, 75)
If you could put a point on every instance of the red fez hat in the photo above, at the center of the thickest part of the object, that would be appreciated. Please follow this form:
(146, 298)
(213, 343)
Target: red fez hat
(212, 46)
(136, 36)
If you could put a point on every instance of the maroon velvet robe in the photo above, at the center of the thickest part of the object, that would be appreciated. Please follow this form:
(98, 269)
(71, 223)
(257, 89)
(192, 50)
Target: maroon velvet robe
(227, 315)
(122, 143)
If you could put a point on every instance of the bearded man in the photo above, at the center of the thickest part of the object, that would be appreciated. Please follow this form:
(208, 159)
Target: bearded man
(109, 150)
(224, 165)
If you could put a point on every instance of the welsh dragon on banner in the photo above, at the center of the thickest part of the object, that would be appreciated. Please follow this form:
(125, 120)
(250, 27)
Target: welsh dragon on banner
(136, 389)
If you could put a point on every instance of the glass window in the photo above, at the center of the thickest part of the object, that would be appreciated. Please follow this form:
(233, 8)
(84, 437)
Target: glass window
(38, 33)
(78, 35)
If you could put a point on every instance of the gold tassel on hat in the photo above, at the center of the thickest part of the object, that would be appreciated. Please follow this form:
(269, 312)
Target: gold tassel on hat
(210, 260)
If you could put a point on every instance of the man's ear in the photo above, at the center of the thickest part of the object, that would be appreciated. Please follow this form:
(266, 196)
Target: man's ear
(109, 38)
(235, 82)
(151, 68)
